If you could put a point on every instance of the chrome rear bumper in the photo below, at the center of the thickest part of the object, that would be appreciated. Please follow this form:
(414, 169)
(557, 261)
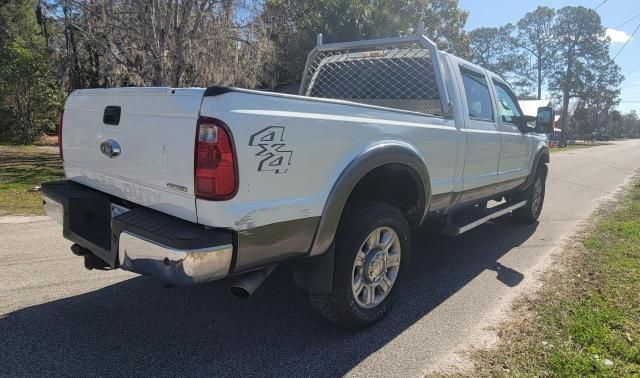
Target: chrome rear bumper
(176, 267)
(140, 240)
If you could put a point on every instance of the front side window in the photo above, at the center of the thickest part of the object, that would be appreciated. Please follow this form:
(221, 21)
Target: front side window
(478, 97)
(507, 103)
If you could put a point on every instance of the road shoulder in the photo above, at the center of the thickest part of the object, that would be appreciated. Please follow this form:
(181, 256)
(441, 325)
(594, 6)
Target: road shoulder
(584, 316)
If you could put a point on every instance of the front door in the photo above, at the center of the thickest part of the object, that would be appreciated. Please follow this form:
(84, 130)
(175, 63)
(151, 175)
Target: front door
(516, 147)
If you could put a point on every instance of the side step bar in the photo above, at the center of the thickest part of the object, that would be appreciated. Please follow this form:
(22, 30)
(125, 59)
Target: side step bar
(498, 211)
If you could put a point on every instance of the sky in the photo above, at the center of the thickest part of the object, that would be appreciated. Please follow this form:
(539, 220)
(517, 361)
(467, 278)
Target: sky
(613, 14)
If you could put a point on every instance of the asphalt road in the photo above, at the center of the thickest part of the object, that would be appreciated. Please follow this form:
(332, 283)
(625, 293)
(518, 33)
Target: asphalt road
(57, 318)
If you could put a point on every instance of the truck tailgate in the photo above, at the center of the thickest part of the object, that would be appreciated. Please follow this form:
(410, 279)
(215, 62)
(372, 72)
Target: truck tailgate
(155, 135)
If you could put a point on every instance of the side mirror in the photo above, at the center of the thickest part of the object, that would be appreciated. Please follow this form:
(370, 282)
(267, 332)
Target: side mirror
(525, 124)
(545, 119)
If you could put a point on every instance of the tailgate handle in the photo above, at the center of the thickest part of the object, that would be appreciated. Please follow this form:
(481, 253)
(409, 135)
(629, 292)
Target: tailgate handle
(111, 115)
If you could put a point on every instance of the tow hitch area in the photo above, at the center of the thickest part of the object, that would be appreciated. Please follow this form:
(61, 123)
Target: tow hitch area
(91, 261)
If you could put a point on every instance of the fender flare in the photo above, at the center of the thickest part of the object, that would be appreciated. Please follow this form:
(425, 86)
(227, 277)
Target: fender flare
(542, 155)
(374, 156)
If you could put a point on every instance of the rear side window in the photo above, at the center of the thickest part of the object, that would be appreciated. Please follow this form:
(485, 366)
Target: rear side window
(507, 103)
(478, 98)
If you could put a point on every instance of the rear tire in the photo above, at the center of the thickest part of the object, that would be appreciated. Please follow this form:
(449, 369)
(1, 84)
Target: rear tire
(372, 249)
(534, 195)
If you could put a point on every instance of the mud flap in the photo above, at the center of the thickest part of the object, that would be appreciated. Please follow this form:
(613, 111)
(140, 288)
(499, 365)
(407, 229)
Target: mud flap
(315, 274)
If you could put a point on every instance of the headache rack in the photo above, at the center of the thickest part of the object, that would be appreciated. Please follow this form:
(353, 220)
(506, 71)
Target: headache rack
(401, 73)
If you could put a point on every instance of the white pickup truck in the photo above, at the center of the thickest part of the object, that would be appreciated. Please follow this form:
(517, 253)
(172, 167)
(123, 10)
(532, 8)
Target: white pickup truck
(199, 184)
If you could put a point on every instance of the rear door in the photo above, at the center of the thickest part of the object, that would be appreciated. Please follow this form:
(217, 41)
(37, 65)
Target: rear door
(136, 144)
(480, 174)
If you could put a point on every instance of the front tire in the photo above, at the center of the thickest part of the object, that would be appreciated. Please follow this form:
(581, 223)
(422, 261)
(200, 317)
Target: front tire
(372, 249)
(534, 195)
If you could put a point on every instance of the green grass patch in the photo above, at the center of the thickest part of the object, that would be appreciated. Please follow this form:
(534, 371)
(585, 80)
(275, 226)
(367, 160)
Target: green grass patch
(22, 168)
(585, 321)
(571, 148)
(580, 145)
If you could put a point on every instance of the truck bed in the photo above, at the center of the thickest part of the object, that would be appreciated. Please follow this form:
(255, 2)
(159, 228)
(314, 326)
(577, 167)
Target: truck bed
(283, 178)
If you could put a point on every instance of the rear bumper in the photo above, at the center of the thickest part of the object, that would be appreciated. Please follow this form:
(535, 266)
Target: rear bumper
(173, 266)
(142, 240)
(53, 209)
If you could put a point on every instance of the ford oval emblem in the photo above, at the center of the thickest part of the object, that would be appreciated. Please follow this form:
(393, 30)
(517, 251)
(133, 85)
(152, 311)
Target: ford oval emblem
(110, 148)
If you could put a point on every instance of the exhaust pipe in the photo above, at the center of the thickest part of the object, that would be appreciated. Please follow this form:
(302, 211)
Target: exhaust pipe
(247, 284)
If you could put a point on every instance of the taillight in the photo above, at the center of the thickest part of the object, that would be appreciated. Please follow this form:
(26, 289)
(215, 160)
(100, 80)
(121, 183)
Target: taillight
(60, 135)
(216, 176)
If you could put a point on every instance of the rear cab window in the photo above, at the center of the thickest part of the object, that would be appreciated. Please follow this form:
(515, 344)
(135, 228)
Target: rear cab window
(476, 89)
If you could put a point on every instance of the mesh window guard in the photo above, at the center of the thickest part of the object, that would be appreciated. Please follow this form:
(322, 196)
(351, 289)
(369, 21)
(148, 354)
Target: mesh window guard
(400, 77)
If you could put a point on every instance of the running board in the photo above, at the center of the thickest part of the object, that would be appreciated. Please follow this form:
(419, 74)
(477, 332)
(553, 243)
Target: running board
(498, 211)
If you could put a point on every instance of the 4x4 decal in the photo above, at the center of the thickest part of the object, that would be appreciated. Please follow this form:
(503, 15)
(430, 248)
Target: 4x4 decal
(271, 142)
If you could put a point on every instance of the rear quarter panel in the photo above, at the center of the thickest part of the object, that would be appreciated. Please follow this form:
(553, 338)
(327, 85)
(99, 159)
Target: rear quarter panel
(292, 149)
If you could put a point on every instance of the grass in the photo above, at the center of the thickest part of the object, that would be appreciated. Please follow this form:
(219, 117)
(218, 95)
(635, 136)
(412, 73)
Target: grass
(22, 168)
(572, 148)
(585, 321)
(579, 146)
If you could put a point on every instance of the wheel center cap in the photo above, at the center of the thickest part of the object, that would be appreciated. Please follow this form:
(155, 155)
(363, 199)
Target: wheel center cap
(375, 266)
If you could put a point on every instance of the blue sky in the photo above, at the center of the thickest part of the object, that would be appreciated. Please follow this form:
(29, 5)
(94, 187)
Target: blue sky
(612, 12)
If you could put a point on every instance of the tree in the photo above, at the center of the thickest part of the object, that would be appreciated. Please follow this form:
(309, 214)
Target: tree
(534, 35)
(599, 98)
(615, 128)
(631, 125)
(294, 25)
(445, 26)
(582, 52)
(29, 97)
(162, 43)
(492, 47)
(495, 49)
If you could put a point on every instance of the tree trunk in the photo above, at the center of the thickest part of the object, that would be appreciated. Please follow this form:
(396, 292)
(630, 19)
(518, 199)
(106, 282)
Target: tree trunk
(539, 75)
(564, 121)
(181, 18)
(42, 21)
(158, 73)
(76, 66)
(566, 92)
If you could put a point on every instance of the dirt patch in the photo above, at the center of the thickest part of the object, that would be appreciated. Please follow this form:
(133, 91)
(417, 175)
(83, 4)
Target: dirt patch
(47, 140)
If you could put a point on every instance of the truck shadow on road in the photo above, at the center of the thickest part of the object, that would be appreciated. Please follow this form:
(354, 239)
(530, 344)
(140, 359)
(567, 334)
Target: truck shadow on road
(139, 327)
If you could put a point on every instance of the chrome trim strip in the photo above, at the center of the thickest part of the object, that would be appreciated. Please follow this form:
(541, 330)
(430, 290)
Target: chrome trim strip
(53, 209)
(177, 267)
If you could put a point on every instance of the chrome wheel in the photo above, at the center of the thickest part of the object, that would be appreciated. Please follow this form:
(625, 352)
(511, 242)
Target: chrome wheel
(536, 196)
(376, 266)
